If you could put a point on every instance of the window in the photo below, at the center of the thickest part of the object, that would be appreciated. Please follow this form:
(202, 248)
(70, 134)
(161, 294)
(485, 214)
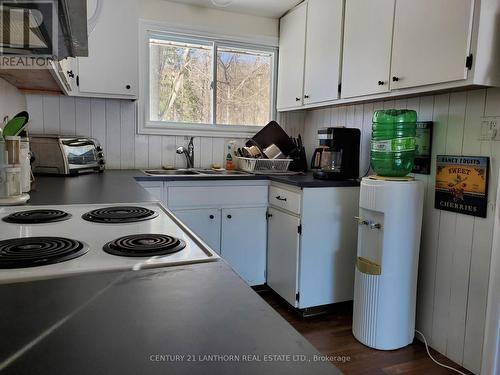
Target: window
(208, 84)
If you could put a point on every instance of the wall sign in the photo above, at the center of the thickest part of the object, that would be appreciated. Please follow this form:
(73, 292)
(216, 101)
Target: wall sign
(423, 148)
(462, 184)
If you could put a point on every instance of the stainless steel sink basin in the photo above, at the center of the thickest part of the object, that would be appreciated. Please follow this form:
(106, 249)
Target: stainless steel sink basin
(221, 173)
(171, 172)
(191, 172)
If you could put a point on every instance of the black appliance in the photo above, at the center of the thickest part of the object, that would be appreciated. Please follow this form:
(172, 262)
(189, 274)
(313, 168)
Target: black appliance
(338, 154)
(119, 215)
(144, 245)
(27, 252)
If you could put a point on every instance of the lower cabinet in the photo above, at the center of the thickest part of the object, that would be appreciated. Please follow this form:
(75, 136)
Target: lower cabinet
(154, 188)
(283, 254)
(205, 223)
(238, 235)
(243, 242)
(312, 244)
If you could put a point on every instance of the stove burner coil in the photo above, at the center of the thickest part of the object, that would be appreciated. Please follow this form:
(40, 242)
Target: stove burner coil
(27, 252)
(144, 245)
(119, 214)
(41, 216)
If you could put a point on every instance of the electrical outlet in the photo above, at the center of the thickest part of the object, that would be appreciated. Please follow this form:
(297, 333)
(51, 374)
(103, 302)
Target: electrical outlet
(490, 129)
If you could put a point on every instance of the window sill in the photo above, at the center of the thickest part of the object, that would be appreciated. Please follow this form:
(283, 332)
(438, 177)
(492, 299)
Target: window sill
(198, 130)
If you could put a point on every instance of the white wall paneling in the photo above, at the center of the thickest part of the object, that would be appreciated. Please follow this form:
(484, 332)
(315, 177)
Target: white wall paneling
(113, 123)
(12, 101)
(456, 249)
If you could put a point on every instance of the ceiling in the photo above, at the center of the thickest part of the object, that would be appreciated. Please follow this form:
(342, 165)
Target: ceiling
(264, 8)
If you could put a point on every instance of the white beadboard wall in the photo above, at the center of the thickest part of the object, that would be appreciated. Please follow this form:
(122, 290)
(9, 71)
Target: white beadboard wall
(456, 249)
(11, 100)
(113, 123)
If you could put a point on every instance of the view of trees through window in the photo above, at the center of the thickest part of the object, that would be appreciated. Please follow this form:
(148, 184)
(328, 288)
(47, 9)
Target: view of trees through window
(181, 83)
(243, 87)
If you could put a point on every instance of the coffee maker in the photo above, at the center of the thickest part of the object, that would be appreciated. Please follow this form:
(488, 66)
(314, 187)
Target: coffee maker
(337, 158)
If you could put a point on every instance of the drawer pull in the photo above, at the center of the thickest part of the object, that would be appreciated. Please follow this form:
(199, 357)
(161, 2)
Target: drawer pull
(212, 217)
(280, 198)
(229, 216)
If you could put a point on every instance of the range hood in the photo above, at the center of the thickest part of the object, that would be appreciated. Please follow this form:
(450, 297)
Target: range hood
(50, 28)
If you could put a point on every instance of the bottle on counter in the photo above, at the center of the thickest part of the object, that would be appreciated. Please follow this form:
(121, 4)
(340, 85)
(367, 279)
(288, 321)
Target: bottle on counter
(229, 158)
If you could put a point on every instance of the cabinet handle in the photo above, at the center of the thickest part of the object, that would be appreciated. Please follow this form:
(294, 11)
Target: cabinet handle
(212, 217)
(395, 79)
(127, 87)
(229, 216)
(381, 83)
(306, 96)
(297, 99)
(281, 199)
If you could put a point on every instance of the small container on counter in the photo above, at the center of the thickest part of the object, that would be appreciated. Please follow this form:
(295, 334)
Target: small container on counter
(10, 181)
(25, 166)
(3, 152)
(13, 147)
(3, 181)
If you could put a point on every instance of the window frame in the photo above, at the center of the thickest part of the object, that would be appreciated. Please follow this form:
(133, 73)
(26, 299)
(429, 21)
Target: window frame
(147, 126)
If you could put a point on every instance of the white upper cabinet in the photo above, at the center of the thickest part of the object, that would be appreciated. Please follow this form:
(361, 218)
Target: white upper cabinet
(111, 68)
(310, 54)
(323, 47)
(431, 42)
(367, 47)
(291, 58)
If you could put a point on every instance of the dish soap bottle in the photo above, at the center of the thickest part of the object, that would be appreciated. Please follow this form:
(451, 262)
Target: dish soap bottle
(229, 158)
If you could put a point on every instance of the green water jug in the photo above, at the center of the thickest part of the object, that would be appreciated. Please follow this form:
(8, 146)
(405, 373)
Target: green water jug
(393, 142)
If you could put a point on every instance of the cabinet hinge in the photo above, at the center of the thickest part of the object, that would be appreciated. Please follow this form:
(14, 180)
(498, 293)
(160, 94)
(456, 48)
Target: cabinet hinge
(297, 296)
(299, 229)
(340, 88)
(468, 61)
(268, 215)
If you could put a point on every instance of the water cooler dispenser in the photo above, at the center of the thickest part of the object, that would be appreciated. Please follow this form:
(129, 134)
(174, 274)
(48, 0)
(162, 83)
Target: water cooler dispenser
(390, 221)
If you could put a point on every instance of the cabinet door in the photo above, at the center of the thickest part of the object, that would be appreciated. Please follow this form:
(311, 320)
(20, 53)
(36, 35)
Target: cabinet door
(367, 47)
(291, 58)
(243, 243)
(205, 223)
(111, 67)
(283, 254)
(431, 41)
(323, 47)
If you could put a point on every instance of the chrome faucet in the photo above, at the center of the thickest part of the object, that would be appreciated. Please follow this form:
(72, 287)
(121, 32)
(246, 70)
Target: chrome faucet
(189, 153)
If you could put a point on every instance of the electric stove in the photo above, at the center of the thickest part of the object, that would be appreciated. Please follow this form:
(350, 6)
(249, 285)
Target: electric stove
(55, 241)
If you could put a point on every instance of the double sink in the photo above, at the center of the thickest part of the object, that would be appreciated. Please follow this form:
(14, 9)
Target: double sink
(192, 172)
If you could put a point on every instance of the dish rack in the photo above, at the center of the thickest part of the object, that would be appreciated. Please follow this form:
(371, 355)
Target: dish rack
(263, 165)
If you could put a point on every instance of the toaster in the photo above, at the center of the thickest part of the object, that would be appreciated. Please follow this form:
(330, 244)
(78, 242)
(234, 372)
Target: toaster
(66, 155)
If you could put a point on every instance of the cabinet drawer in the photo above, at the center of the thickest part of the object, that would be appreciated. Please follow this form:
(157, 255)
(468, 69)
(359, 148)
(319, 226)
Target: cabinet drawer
(216, 196)
(286, 199)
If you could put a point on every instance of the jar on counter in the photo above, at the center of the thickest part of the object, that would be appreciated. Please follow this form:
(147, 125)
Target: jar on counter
(13, 146)
(13, 181)
(25, 166)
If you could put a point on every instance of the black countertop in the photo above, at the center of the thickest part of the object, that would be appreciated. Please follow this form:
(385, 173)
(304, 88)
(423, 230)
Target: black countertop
(196, 319)
(108, 187)
(120, 186)
(303, 180)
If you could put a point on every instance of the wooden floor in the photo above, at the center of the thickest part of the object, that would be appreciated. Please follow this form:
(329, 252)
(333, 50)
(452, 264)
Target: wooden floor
(331, 335)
